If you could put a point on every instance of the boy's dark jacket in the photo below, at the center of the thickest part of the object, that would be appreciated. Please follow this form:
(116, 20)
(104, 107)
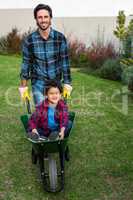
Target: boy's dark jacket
(39, 119)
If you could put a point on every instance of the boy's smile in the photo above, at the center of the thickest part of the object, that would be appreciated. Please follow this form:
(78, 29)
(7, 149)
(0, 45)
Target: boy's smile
(53, 95)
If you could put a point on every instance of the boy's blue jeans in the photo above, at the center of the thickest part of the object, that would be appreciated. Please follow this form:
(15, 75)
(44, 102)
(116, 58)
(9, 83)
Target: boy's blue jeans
(56, 132)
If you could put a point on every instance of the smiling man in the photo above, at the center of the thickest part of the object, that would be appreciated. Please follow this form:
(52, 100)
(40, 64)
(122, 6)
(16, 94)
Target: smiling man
(45, 57)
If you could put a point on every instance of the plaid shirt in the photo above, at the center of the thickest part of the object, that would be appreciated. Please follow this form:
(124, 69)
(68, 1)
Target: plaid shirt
(39, 119)
(45, 59)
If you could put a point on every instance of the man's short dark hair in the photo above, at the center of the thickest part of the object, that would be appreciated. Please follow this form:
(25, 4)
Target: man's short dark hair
(40, 7)
(53, 83)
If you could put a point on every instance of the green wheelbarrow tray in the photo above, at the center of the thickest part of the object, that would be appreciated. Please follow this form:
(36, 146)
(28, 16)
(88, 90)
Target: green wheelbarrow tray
(48, 146)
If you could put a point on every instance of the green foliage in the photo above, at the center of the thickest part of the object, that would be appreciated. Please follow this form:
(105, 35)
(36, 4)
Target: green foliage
(126, 62)
(120, 31)
(130, 27)
(127, 42)
(77, 52)
(127, 77)
(111, 69)
(11, 43)
(98, 53)
(125, 35)
(3, 45)
(127, 46)
(83, 61)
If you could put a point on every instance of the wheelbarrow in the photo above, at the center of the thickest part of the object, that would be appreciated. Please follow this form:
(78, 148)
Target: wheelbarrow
(50, 156)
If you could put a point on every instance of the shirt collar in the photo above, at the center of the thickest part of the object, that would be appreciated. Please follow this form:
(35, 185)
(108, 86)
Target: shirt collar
(51, 33)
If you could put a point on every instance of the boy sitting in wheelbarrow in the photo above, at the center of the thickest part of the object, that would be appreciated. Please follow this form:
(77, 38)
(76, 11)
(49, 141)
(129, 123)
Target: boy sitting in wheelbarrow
(51, 116)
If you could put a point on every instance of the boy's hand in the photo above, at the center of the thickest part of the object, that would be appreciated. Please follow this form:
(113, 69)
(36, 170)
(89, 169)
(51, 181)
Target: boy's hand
(34, 131)
(61, 135)
(35, 134)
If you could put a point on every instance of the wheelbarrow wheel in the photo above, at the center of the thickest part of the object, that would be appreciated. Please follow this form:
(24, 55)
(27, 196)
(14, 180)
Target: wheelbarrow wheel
(52, 174)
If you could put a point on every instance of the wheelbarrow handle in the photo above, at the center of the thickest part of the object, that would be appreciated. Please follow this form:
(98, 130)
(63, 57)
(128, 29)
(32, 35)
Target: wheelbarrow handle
(28, 106)
(65, 100)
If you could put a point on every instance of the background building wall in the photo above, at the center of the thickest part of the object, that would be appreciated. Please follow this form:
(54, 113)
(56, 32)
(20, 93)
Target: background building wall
(86, 29)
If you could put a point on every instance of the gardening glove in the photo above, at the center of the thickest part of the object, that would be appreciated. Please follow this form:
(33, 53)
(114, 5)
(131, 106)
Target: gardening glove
(24, 93)
(67, 91)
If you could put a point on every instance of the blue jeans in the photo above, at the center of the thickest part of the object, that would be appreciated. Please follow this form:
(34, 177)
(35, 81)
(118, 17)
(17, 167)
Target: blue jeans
(38, 89)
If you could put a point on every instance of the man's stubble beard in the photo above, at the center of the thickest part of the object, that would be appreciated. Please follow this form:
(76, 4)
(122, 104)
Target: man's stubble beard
(43, 29)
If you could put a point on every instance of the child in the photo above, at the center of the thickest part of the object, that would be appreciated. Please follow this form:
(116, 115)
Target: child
(51, 116)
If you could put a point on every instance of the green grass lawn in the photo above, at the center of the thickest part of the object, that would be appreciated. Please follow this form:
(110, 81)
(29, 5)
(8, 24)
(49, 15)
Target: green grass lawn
(101, 144)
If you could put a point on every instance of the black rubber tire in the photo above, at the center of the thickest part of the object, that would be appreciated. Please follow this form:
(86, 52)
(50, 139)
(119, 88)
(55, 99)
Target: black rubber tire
(53, 178)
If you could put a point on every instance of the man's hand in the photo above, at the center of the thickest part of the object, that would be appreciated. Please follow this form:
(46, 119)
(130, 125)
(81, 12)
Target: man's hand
(67, 90)
(24, 93)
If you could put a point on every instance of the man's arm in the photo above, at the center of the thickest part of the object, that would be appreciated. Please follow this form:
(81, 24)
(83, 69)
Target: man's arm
(26, 63)
(65, 61)
(25, 70)
(23, 83)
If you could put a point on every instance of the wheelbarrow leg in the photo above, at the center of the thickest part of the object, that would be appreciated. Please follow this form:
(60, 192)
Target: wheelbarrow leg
(41, 163)
(62, 164)
(33, 156)
(67, 154)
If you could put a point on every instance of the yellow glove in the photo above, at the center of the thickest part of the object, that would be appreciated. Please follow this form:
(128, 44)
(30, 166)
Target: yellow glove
(24, 93)
(67, 90)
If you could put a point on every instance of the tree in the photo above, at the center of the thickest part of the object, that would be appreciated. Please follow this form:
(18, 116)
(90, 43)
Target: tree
(13, 41)
(120, 32)
(130, 36)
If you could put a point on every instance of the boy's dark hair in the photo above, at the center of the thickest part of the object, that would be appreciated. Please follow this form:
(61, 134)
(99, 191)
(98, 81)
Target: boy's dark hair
(40, 7)
(54, 84)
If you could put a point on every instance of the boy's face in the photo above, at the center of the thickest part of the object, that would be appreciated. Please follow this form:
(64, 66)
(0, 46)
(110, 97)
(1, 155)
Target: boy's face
(54, 95)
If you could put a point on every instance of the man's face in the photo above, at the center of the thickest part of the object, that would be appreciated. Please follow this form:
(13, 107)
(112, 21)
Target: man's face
(43, 19)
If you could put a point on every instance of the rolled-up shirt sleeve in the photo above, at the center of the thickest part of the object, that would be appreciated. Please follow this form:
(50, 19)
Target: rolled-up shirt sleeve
(34, 120)
(65, 61)
(26, 60)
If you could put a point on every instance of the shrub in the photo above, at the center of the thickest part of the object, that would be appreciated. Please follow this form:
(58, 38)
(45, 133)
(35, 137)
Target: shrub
(127, 46)
(92, 57)
(14, 41)
(126, 62)
(111, 69)
(3, 45)
(11, 43)
(127, 77)
(77, 52)
(99, 52)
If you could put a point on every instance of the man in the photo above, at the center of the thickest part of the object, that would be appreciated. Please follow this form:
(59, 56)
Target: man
(45, 57)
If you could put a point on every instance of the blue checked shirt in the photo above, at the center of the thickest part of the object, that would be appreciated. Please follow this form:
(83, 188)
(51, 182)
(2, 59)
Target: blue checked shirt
(47, 59)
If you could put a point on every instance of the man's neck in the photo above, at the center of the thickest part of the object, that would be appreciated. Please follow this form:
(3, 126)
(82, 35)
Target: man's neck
(44, 34)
